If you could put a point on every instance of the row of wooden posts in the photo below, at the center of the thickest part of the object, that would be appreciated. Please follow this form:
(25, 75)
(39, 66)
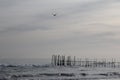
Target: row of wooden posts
(61, 60)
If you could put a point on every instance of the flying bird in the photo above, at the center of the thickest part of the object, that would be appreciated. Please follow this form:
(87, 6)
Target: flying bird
(54, 14)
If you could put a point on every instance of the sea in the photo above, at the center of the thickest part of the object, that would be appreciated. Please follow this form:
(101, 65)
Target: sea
(41, 69)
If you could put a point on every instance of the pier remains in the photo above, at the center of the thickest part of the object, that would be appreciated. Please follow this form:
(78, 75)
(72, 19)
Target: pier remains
(61, 60)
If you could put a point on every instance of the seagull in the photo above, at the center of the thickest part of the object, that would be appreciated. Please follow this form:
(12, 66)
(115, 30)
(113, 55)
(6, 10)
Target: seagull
(54, 14)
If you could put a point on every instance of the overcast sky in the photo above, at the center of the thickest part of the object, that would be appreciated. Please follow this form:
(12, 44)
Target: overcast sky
(84, 28)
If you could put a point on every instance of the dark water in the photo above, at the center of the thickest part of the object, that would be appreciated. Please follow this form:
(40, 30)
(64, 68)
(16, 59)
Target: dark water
(18, 72)
(35, 72)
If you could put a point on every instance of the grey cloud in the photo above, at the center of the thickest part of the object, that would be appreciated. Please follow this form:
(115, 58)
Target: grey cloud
(87, 9)
(46, 17)
(75, 29)
(24, 28)
(7, 3)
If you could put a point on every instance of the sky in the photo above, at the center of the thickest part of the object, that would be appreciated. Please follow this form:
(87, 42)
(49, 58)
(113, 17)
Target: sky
(82, 28)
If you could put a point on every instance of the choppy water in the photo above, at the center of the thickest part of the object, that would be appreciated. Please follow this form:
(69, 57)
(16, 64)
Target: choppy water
(36, 72)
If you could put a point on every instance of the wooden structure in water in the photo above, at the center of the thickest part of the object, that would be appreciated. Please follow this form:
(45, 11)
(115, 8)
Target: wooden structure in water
(61, 60)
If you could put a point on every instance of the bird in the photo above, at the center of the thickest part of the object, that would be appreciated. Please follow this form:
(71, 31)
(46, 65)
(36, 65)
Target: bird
(54, 14)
